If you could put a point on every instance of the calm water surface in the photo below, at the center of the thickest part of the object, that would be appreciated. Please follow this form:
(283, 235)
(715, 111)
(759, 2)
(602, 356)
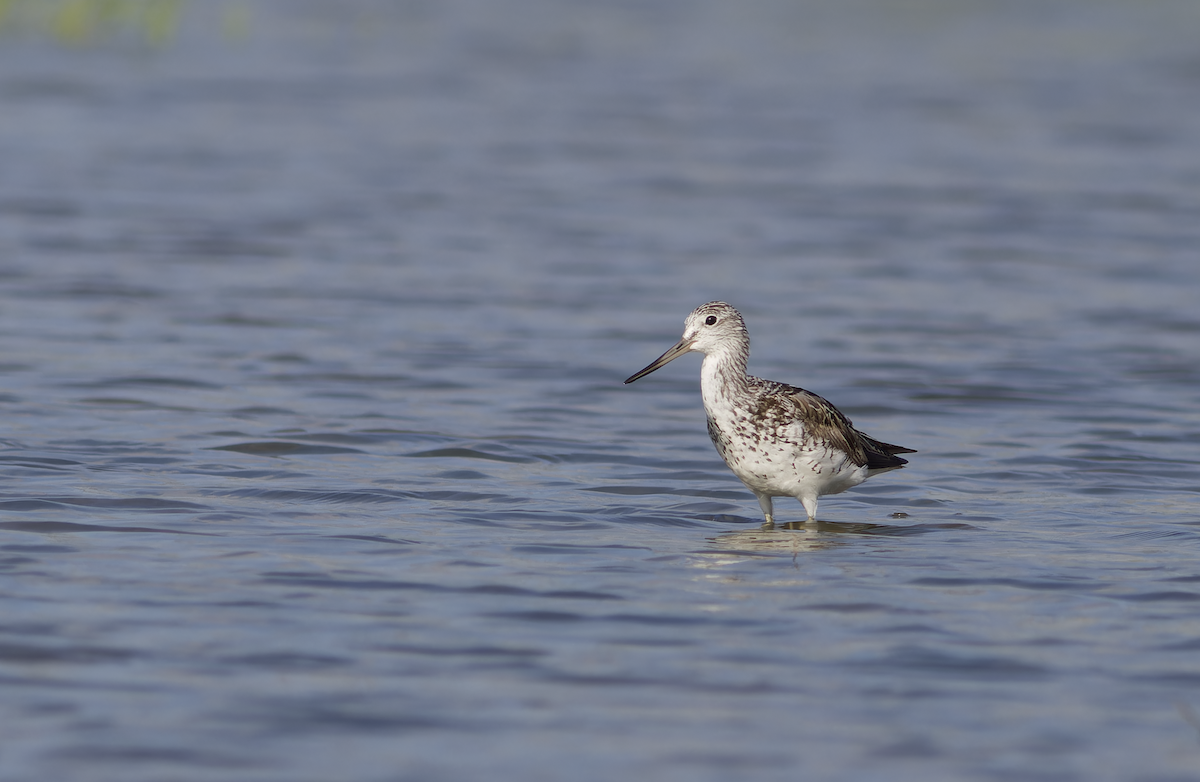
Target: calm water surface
(317, 464)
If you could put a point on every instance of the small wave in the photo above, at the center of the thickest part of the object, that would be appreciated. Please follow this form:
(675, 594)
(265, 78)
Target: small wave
(468, 453)
(283, 448)
(125, 503)
(58, 527)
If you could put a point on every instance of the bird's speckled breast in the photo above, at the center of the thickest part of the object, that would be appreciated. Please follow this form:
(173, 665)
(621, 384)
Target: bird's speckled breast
(766, 445)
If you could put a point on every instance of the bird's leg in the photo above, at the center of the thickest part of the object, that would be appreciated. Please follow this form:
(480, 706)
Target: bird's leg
(810, 505)
(764, 501)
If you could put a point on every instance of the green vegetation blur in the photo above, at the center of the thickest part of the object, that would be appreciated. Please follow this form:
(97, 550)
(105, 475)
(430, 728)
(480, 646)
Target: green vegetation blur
(80, 22)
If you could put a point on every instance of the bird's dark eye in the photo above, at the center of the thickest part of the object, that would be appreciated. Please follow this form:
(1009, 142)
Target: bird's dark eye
(710, 320)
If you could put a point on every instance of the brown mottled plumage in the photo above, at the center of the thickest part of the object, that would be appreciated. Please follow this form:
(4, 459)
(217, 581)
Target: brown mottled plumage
(779, 440)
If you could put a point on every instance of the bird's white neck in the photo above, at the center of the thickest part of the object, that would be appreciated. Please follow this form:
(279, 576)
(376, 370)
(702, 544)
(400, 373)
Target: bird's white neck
(722, 376)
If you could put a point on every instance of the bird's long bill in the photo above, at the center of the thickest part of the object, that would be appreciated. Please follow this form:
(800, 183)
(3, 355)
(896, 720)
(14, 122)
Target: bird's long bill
(681, 347)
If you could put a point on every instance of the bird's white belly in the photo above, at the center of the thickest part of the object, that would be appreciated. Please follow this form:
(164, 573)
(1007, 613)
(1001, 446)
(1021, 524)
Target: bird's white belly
(782, 462)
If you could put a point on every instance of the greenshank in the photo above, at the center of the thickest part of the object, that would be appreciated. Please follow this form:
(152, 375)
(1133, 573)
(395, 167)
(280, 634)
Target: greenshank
(779, 440)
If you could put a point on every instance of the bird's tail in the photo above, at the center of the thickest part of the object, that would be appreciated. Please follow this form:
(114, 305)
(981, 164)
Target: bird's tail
(882, 456)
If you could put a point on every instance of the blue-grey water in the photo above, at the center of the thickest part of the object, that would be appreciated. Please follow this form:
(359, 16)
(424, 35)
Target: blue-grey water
(317, 464)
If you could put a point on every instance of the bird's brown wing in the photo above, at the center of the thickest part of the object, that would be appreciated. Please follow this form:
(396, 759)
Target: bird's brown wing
(825, 423)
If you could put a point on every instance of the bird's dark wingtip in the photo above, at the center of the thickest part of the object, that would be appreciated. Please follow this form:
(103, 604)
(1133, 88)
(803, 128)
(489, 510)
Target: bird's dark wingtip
(882, 456)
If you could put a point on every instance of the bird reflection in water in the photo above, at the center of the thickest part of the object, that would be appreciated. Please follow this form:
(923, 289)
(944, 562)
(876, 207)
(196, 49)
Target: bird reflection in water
(800, 536)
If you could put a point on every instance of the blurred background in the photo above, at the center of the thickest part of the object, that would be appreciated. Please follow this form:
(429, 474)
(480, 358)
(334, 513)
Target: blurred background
(316, 461)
